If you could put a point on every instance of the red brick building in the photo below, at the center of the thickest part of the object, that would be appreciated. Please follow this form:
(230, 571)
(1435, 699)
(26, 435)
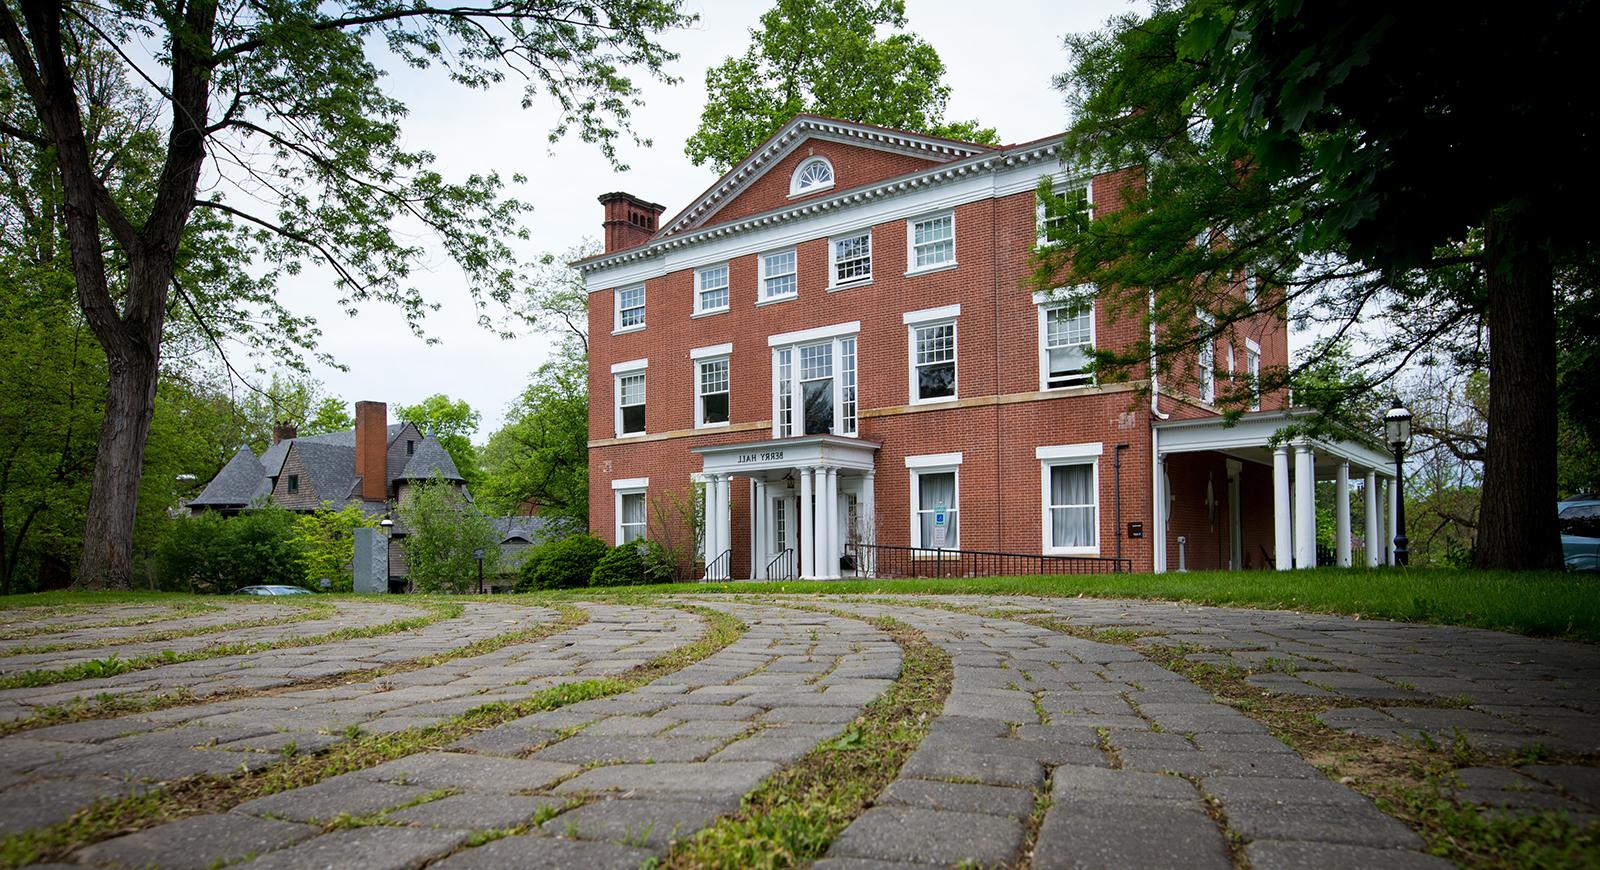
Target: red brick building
(838, 342)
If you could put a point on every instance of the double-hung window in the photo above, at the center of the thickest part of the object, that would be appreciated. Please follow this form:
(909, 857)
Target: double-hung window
(1252, 368)
(711, 289)
(1252, 285)
(628, 386)
(1064, 220)
(931, 343)
(935, 501)
(1071, 487)
(814, 381)
(1206, 357)
(932, 242)
(850, 260)
(1066, 340)
(632, 518)
(711, 386)
(778, 276)
(630, 308)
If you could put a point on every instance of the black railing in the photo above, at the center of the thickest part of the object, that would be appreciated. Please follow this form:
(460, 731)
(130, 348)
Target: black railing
(877, 560)
(720, 568)
(781, 566)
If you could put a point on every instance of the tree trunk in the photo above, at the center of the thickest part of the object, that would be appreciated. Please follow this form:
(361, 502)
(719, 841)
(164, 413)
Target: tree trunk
(107, 561)
(1516, 528)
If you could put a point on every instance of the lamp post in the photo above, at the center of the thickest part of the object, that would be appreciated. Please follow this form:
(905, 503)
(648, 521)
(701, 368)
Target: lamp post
(1397, 428)
(478, 554)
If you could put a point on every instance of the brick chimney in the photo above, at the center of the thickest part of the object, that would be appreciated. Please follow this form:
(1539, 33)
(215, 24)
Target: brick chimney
(283, 432)
(630, 221)
(372, 449)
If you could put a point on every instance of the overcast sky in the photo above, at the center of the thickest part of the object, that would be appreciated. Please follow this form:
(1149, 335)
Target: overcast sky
(1000, 58)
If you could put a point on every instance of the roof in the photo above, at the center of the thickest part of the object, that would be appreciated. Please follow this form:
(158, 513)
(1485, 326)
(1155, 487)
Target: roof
(331, 467)
(431, 460)
(531, 529)
(237, 484)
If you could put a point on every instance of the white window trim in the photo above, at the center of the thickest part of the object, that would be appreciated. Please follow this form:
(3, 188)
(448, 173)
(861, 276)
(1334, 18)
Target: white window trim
(806, 336)
(1038, 211)
(699, 397)
(761, 279)
(911, 248)
(635, 486)
(616, 397)
(630, 366)
(1251, 346)
(711, 350)
(1045, 302)
(833, 261)
(916, 471)
(1086, 450)
(616, 309)
(792, 342)
(728, 288)
(911, 356)
(1047, 525)
(1207, 373)
(794, 178)
(943, 312)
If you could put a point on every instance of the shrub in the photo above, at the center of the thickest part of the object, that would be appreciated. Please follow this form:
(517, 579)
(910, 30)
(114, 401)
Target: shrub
(220, 554)
(620, 567)
(328, 539)
(567, 563)
(659, 564)
(443, 530)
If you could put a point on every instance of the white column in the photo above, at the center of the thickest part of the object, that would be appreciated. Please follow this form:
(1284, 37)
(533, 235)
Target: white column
(1341, 514)
(711, 522)
(1282, 525)
(1369, 497)
(830, 496)
(1158, 518)
(869, 520)
(808, 568)
(724, 522)
(1394, 518)
(758, 528)
(1305, 507)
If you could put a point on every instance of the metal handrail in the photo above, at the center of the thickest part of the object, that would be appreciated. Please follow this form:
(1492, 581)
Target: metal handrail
(720, 568)
(879, 560)
(786, 557)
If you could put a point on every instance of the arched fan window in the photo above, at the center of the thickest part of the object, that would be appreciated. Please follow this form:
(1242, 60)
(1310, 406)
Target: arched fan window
(811, 176)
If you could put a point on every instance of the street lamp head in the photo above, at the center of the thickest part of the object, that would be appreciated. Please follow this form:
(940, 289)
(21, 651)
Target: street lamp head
(386, 522)
(1397, 425)
(478, 553)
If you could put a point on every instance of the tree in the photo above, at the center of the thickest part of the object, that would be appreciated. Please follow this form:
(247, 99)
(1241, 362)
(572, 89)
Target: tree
(453, 423)
(331, 414)
(443, 531)
(825, 57)
(280, 106)
(327, 537)
(541, 456)
(1372, 167)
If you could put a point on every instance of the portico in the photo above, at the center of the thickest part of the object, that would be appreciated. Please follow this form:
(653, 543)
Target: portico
(810, 495)
(1296, 466)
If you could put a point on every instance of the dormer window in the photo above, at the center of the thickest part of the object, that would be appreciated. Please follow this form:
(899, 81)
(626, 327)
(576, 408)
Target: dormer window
(811, 176)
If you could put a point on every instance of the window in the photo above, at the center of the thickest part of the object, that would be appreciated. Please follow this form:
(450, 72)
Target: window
(1070, 506)
(811, 176)
(778, 276)
(628, 387)
(1252, 285)
(935, 495)
(1206, 357)
(711, 289)
(814, 376)
(933, 243)
(1072, 217)
(933, 363)
(711, 397)
(411, 447)
(632, 522)
(294, 483)
(1066, 338)
(1252, 368)
(851, 259)
(630, 308)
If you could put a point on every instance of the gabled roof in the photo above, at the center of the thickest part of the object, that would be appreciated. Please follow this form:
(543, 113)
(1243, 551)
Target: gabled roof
(431, 460)
(534, 530)
(331, 467)
(236, 485)
(788, 137)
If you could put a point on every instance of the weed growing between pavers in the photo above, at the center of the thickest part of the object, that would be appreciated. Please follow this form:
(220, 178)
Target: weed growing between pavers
(308, 610)
(198, 795)
(795, 814)
(177, 610)
(1407, 781)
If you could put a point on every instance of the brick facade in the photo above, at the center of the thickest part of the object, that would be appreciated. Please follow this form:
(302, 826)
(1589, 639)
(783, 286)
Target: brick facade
(1000, 415)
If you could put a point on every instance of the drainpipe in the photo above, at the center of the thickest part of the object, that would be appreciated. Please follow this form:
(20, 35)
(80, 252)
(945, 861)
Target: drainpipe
(1116, 466)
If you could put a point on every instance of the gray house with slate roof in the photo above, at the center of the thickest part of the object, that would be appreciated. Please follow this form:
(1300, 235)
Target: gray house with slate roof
(371, 466)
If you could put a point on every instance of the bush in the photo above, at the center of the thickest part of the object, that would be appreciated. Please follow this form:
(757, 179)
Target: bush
(620, 567)
(659, 565)
(220, 554)
(443, 530)
(328, 539)
(564, 564)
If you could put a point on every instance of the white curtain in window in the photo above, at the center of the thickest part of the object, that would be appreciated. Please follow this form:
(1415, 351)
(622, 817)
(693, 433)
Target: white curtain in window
(933, 490)
(633, 519)
(1072, 506)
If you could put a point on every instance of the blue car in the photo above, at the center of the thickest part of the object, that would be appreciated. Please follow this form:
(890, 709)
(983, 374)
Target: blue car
(1579, 521)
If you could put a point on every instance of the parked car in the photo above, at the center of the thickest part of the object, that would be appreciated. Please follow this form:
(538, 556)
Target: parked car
(273, 590)
(1579, 521)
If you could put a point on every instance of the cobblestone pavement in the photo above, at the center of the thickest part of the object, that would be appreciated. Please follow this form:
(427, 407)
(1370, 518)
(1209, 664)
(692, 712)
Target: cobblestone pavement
(1133, 765)
(104, 640)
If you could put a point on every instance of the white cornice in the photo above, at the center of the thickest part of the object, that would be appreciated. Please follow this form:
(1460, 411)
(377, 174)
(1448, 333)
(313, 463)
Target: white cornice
(981, 164)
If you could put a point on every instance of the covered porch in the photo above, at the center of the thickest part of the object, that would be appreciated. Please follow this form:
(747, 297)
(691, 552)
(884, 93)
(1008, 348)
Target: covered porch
(809, 496)
(1285, 480)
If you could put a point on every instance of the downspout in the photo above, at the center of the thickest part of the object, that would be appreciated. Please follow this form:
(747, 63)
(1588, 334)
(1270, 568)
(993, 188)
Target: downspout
(1116, 465)
(994, 271)
(1158, 529)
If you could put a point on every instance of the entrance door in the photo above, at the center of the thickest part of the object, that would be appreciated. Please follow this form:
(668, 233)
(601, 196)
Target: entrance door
(779, 532)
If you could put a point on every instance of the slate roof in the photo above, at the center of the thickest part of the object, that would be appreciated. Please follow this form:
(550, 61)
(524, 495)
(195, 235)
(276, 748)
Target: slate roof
(534, 530)
(429, 461)
(236, 485)
(331, 467)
